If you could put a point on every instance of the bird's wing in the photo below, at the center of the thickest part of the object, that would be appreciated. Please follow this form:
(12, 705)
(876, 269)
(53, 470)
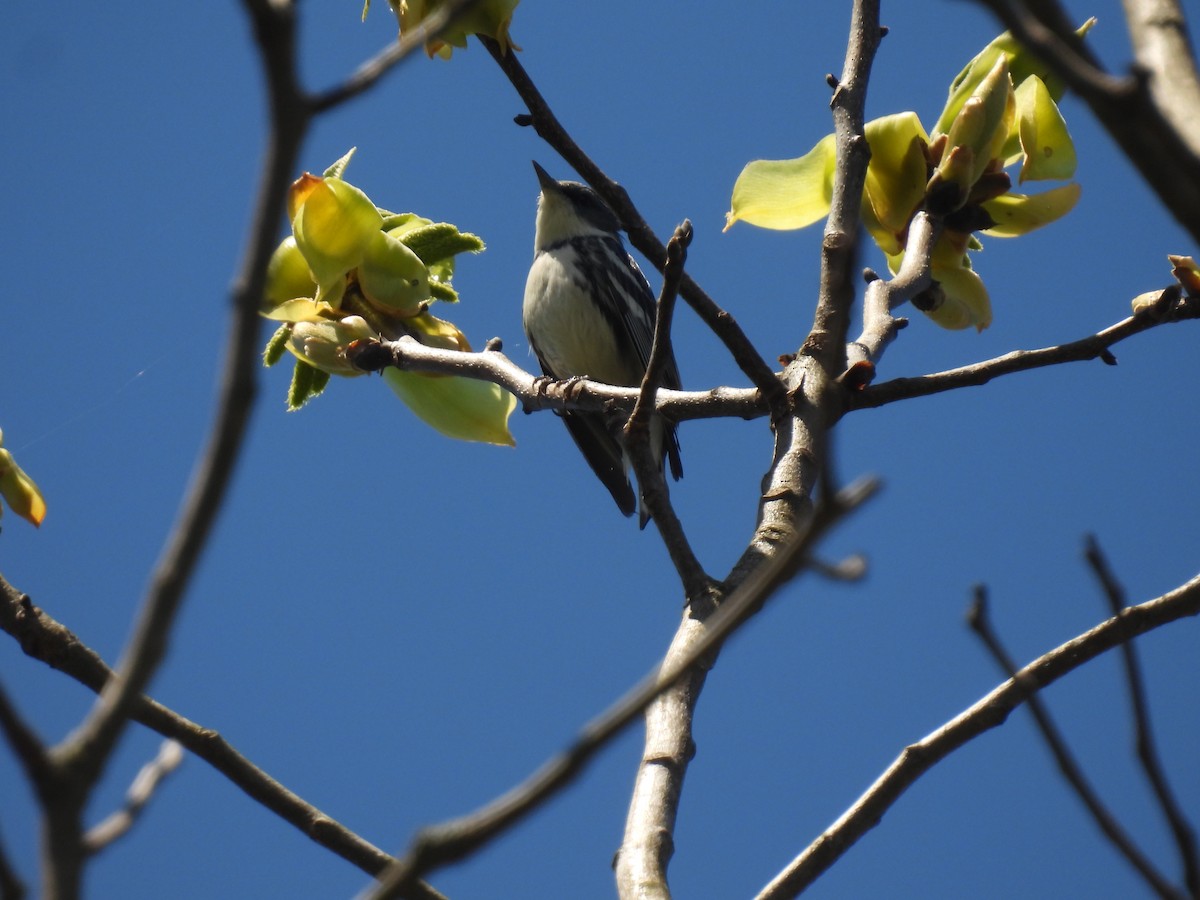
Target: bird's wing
(635, 324)
(598, 446)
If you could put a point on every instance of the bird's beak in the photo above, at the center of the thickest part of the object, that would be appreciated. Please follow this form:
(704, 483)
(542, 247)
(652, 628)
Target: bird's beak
(544, 179)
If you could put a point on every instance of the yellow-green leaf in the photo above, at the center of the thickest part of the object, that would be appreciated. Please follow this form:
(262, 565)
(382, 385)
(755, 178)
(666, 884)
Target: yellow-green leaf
(391, 275)
(966, 302)
(1045, 142)
(1017, 214)
(1021, 65)
(490, 17)
(896, 174)
(323, 344)
(333, 228)
(434, 332)
(461, 408)
(785, 194)
(288, 276)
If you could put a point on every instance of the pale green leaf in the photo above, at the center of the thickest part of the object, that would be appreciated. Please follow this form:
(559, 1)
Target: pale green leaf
(785, 194)
(465, 409)
(1045, 142)
(1017, 214)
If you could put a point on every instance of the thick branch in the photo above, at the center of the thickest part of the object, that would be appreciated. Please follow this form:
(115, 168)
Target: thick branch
(445, 843)
(827, 340)
(800, 460)
(988, 713)
(1158, 30)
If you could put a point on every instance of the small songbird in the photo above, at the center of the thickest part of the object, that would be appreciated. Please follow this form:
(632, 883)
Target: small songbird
(589, 312)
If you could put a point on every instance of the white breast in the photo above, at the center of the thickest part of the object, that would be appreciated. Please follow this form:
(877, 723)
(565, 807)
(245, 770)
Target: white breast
(569, 332)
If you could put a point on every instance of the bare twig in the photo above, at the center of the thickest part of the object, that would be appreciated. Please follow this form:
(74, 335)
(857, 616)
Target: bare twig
(884, 295)
(987, 713)
(369, 73)
(977, 618)
(652, 483)
(535, 392)
(1091, 347)
(43, 638)
(152, 774)
(445, 843)
(660, 350)
(1147, 750)
(641, 235)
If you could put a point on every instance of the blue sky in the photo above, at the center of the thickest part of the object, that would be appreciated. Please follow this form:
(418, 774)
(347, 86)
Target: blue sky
(407, 665)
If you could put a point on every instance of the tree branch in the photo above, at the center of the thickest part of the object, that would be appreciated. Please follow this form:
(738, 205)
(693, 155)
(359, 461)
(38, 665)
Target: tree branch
(151, 775)
(537, 392)
(651, 480)
(1158, 31)
(83, 756)
(369, 73)
(977, 618)
(441, 844)
(45, 639)
(987, 713)
(1172, 308)
(11, 886)
(1147, 751)
(800, 460)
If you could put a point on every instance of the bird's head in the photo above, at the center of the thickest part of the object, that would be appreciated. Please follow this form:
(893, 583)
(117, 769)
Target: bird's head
(568, 209)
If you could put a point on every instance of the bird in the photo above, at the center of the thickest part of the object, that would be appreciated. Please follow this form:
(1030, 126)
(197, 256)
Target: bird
(589, 312)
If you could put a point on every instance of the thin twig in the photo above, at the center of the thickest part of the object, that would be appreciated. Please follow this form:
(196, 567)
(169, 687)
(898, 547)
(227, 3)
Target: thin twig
(441, 844)
(652, 483)
(369, 73)
(1147, 750)
(1068, 765)
(641, 235)
(884, 295)
(45, 639)
(151, 775)
(1092, 347)
(660, 350)
(987, 713)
